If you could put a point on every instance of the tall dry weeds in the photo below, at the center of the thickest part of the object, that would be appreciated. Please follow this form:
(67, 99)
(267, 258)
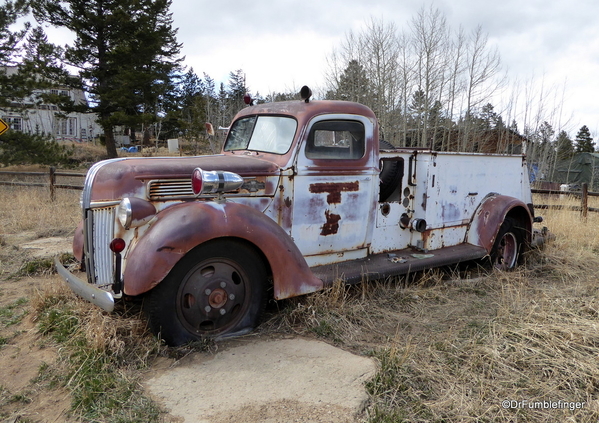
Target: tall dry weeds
(452, 345)
(29, 209)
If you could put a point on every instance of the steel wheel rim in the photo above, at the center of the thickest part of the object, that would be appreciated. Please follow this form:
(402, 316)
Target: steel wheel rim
(213, 296)
(507, 252)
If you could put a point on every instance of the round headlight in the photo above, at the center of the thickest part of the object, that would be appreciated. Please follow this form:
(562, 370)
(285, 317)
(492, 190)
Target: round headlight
(133, 212)
(124, 213)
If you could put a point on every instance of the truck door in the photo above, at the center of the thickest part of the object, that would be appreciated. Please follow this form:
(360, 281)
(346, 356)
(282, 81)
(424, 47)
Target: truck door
(336, 186)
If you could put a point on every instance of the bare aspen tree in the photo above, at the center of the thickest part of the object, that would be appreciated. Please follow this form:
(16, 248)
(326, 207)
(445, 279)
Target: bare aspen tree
(430, 41)
(339, 60)
(540, 108)
(380, 55)
(375, 50)
(425, 84)
(455, 86)
(483, 65)
(406, 82)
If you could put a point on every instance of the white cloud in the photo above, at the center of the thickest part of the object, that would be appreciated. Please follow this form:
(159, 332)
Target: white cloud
(284, 44)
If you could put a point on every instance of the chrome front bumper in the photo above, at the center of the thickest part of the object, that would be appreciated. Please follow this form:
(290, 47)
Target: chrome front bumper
(91, 293)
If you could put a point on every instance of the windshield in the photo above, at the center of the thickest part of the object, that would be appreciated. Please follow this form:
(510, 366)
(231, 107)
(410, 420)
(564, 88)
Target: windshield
(270, 134)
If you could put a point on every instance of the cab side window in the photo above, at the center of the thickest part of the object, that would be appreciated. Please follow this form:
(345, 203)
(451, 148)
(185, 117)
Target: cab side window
(336, 139)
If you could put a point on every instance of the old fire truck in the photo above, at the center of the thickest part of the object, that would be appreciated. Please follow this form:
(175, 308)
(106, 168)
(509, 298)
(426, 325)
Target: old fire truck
(302, 193)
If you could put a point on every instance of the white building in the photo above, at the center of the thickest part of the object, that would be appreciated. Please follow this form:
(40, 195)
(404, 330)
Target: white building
(31, 115)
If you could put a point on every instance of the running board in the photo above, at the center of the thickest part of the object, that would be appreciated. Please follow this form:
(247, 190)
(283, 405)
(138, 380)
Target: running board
(394, 263)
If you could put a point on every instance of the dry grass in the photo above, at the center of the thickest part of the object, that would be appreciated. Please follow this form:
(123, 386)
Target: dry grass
(451, 345)
(100, 356)
(29, 209)
(123, 334)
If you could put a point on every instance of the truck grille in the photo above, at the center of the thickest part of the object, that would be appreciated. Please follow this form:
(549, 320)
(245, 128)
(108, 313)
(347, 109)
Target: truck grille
(170, 189)
(102, 221)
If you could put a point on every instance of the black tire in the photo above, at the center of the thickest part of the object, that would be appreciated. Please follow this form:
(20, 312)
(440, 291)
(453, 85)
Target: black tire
(390, 175)
(505, 254)
(217, 290)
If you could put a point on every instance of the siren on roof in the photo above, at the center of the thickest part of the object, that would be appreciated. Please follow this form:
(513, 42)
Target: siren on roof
(306, 93)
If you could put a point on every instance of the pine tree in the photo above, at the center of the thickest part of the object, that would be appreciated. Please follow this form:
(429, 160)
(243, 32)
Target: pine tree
(565, 147)
(354, 84)
(126, 52)
(193, 105)
(417, 119)
(10, 12)
(236, 90)
(584, 141)
(12, 86)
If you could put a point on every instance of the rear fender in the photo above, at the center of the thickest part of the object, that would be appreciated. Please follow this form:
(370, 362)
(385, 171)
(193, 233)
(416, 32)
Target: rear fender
(489, 216)
(180, 228)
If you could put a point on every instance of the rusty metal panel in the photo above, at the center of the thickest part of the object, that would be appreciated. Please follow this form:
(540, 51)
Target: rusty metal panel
(461, 181)
(331, 217)
(335, 197)
(180, 228)
(403, 261)
(490, 215)
(115, 179)
(445, 189)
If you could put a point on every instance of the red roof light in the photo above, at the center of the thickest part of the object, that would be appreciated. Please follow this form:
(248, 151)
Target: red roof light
(197, 181)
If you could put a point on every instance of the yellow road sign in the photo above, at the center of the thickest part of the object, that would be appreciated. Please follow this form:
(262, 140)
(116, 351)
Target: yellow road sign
(3, 127)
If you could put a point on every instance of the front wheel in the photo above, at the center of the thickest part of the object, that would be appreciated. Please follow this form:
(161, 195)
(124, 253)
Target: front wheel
(508, 245)
(216, 290)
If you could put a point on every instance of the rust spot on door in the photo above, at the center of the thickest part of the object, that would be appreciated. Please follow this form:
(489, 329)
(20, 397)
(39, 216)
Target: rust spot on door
(332, 224)
(334, 190)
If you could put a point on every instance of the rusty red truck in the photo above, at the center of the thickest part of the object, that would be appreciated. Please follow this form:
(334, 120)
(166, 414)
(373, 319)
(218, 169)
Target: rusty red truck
(302, 193)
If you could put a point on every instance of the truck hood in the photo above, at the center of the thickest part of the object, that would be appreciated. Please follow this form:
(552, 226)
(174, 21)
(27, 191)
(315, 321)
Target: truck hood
(117, 178)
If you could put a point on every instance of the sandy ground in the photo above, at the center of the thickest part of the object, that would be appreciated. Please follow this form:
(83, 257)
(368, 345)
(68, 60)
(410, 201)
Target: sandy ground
(266, 381)
(48, 247)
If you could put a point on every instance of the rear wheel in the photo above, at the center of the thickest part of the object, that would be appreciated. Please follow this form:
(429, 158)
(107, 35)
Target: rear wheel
(216, 290)
(507, 247)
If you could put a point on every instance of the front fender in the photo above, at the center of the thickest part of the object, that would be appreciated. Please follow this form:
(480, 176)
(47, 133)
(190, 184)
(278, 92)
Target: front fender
(78, 242)
(180, 228)
(489, 216)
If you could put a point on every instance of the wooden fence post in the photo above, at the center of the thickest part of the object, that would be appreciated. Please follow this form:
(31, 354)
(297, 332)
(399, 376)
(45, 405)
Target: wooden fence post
(52, 183)
(585, 200)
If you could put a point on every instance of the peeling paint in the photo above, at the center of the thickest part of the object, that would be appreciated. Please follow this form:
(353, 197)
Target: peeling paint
(334, 190)
(332, 224)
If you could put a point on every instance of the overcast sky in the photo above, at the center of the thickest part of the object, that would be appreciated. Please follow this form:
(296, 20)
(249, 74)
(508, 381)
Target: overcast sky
(283, 44)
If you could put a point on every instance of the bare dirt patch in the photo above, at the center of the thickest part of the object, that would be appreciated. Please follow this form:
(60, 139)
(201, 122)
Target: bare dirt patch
(48, 247)
(25, 395)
